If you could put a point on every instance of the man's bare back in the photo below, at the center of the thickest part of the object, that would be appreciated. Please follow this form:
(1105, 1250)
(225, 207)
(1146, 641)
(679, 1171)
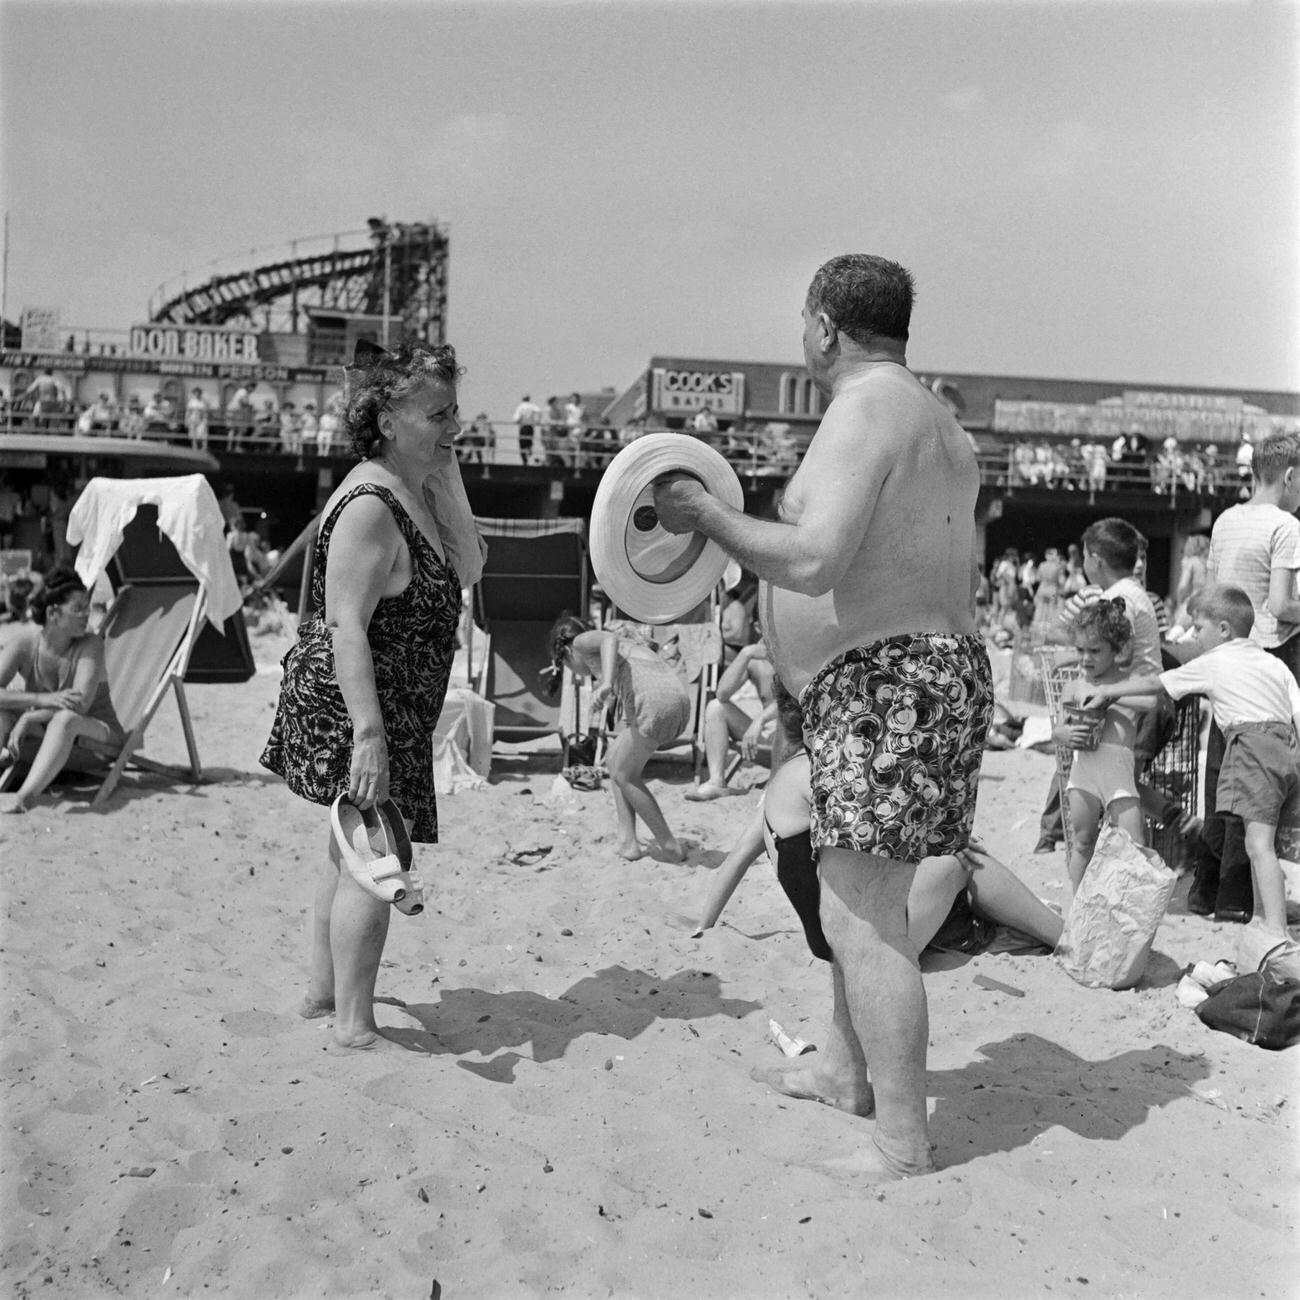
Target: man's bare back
(910, 568)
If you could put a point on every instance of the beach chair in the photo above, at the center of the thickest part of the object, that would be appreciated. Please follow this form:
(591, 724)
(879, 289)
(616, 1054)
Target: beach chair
(160, 542)
(149, 633)
(694, 647)
(535, 569)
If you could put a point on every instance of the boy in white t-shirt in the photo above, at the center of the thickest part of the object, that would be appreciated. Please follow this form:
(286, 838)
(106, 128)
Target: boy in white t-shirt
(1256, 546)
(1256, 703)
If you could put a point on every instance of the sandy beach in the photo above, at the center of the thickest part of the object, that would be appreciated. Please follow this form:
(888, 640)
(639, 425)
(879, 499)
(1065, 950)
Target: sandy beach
(575, 1115)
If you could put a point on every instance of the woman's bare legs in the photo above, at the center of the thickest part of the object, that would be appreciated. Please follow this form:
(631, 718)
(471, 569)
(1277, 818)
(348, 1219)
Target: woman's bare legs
(61, 732)
(626, 760)
(936, 883)
(999, 894)
(732, 869)
(349, 927)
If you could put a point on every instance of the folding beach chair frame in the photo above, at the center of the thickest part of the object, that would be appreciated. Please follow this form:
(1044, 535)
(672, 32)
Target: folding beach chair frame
(173, 676)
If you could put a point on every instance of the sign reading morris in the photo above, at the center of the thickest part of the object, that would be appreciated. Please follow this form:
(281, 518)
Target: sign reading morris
(193, 343)
(722, 391)
(1200, 417)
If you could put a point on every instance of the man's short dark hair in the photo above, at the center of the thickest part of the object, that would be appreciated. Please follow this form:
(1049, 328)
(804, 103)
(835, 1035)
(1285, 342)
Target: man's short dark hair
(1116, 542)
(1271, 457)
(865, 297)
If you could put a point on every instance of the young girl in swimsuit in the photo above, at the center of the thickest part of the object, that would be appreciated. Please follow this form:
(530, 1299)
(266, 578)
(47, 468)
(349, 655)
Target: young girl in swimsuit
(1101, 782)
(655, 708)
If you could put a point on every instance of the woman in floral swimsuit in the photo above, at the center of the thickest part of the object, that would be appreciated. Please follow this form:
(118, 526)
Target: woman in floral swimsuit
(365, 682)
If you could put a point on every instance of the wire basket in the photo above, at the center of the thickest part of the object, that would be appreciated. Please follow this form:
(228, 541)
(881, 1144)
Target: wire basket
(1057, 665)
(1176, 772)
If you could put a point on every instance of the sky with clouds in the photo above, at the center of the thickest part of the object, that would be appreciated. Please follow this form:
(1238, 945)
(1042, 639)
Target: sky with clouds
(1095, 191)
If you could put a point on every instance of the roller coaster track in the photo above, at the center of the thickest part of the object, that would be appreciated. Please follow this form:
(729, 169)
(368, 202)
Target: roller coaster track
(413, 267)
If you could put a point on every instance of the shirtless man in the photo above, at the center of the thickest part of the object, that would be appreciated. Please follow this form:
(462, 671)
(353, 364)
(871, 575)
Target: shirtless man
(867, 611)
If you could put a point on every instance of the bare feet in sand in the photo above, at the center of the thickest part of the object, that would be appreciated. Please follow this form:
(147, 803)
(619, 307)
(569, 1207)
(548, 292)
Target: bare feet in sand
(870, 1164)
(19, 807)
(706, 792)
(663, 850)
(314, 1008)
(367, 1042)
(804, 1083)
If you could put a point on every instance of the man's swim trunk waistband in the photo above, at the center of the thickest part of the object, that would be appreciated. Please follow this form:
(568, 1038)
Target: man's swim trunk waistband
(895, 734)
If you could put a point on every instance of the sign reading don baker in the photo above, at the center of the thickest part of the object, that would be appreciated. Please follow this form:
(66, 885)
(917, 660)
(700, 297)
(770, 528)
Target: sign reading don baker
(722, 391)
(193, 343)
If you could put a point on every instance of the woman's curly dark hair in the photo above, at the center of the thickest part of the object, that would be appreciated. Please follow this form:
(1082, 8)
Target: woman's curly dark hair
(376, 377)
(1109, 619)
(59, 587)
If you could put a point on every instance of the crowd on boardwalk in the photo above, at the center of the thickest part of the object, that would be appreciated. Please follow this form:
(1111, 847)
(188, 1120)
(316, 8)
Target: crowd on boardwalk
(563, 433)
(250, 420)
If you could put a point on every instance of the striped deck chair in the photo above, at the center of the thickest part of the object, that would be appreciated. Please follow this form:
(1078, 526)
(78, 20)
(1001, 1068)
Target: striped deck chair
(535, 570)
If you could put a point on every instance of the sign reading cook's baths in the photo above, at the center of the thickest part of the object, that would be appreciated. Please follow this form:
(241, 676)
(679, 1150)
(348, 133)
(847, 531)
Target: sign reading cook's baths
(193, 343)
(722, 391)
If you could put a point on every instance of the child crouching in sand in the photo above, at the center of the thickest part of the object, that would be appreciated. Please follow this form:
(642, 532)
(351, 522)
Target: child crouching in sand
(1256, 703)
(655, 708)
(1101, 782)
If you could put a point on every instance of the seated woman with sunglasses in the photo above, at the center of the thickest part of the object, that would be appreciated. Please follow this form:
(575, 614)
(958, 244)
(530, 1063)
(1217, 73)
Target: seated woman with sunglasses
(65, 686)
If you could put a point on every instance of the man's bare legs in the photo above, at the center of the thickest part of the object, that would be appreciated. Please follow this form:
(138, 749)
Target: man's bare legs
(626, 760)
(349, 927)
(864, 915)
(837, 1076)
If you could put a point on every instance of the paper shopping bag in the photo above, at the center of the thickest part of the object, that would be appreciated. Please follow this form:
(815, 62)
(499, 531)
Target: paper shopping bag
(1116, 912)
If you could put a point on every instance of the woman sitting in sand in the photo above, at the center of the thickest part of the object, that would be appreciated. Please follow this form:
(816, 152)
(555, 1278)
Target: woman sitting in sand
(655, 708)
(947, 892)
(66, 685)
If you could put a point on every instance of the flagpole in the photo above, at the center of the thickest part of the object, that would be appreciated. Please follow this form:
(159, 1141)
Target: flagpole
(4, 274)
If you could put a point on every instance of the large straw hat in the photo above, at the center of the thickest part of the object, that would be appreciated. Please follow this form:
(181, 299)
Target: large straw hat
(652, 575)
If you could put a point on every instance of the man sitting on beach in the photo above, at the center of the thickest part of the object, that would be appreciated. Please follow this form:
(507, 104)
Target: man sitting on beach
(868, 613)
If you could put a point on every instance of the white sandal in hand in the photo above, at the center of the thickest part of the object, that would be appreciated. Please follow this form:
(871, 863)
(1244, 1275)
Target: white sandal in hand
(376, 850)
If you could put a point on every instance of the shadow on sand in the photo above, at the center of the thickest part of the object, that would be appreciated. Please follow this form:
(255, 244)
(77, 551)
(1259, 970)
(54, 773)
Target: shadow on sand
(1025, 1084)
(616, 1002)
